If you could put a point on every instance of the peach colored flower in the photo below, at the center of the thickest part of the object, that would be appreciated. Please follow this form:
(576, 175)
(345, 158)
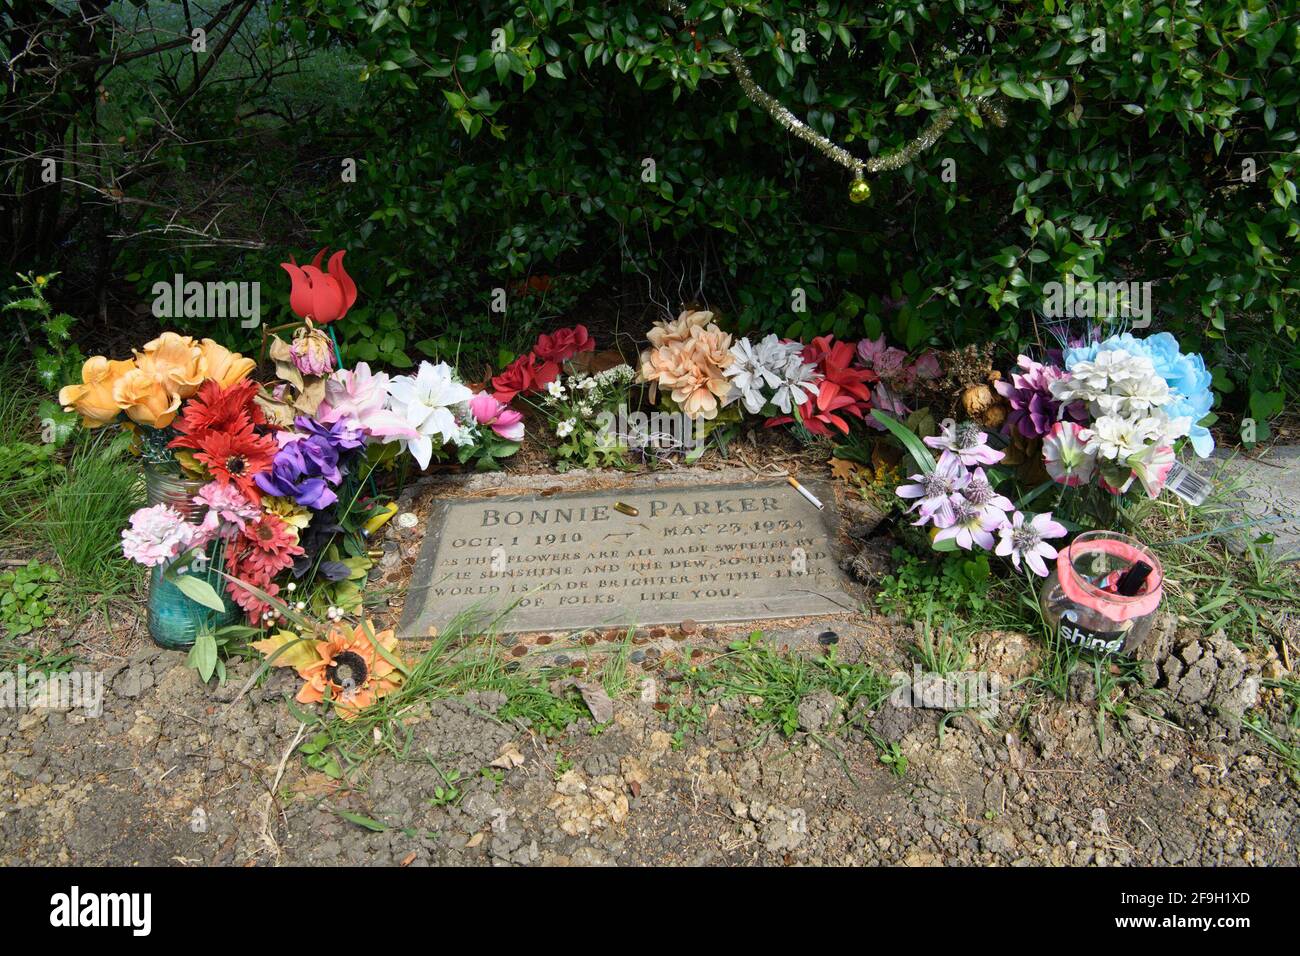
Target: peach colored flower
(224, 366)
(679, 330)
(93, 398)
(691, 370)
(175, 361)
(144, 398)
(352, 668)
(713, 346)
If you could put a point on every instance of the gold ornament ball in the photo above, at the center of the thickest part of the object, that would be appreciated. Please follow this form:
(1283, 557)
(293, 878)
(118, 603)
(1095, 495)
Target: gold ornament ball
(859, 191)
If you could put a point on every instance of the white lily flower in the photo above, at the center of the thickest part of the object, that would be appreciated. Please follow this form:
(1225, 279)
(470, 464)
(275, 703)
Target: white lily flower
(425, 401)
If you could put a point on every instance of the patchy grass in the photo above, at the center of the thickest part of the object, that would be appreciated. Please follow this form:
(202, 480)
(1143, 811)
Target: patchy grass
(773, 684)
(451, 667)
(615, 677)
(1285, 748)
(62, 510)
(944, 647)
(83, 516)
(1282, 738)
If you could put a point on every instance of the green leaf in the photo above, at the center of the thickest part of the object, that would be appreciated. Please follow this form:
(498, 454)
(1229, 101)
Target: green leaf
(198, 590)
(1034, 493)
(1264, 405)
(203, 655)
(915, 447)
(362, 821)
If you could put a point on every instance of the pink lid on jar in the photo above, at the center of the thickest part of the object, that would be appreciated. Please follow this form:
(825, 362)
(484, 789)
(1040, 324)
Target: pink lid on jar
(1116, 607)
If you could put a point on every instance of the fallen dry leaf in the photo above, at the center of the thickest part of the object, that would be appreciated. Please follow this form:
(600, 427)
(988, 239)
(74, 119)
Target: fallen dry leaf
(509, 759)
(844, 469)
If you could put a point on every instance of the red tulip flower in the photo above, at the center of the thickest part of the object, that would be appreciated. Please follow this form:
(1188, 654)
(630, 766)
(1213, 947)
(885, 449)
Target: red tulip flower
(320, 296)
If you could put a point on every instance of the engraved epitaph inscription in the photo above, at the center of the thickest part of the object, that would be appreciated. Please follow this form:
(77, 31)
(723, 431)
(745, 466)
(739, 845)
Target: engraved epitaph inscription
(706, 552)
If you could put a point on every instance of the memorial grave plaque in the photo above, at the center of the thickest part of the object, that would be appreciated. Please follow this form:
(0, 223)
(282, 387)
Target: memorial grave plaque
(733, 552)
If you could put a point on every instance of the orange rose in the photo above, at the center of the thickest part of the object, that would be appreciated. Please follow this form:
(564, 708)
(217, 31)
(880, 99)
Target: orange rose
(93, 398)
(224, 366)
(144, 398)
(176, 361)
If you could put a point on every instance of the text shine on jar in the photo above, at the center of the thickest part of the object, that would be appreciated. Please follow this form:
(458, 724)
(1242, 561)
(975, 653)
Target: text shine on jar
(1079, 600)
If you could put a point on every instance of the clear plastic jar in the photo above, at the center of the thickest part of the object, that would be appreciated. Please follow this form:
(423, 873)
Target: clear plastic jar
(1080, 609)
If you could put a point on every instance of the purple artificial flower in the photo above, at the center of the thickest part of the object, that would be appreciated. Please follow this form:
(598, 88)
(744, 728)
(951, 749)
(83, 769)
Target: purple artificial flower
(343, 435)
(307, 464)
(1033, 408)
(936, 491)
(299, 472)
(979, 491)
(968, 444)
(971, 525)
(1027, 539)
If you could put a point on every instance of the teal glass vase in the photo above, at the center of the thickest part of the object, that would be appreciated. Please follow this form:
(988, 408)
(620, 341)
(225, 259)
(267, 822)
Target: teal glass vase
(174, 619)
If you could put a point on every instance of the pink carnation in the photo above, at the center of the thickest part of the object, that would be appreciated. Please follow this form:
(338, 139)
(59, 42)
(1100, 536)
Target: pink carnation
(228, 509)
(160, 533)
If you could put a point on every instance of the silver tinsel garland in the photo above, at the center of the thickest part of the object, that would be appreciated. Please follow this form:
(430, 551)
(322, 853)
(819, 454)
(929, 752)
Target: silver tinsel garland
(988, 106)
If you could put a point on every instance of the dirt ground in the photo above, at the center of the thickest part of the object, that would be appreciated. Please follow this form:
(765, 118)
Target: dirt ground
(174, 773)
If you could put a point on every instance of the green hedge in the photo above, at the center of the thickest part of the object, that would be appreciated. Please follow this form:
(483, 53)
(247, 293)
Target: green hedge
(1130, 125)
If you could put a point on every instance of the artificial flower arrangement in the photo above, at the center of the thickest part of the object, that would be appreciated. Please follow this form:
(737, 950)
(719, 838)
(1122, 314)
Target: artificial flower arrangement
(576, 401)
(531, 372)
(685, 365)
(1109, 416)
(694, 367)
(266, 490)
(843, 387)
(962, 504)
(583, 408)
(1122, 405)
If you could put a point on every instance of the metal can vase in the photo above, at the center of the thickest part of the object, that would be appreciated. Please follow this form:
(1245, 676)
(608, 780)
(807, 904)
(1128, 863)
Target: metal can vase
(1080, 604)
(174, 619)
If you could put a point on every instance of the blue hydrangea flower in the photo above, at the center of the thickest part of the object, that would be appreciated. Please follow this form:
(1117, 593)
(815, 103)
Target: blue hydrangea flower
(1186, 375)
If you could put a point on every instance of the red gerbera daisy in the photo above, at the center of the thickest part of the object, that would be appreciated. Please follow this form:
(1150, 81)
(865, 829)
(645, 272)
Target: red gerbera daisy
(234, 458)
(259, 552)
(253, 605)
(269, 546)
(217, 409)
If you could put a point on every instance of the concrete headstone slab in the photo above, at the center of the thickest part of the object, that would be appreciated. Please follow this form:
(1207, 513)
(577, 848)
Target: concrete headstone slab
(710, 553)
(1268, 498)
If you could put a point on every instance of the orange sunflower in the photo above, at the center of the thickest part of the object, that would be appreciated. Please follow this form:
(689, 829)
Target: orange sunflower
(353, 668)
